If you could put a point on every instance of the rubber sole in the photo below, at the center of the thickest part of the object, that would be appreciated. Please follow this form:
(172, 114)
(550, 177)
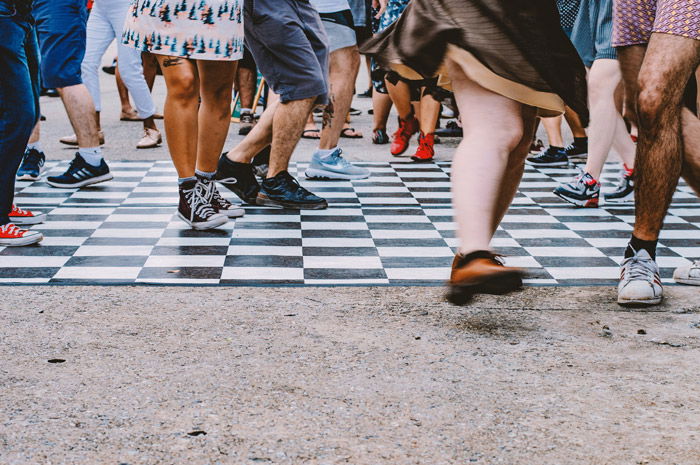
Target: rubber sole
(640, 303)
(559, 164)
(422, 160)
(203, 226)
(28, 177)
(313, 173)
(622, 200)
(266, 201)
(589, 203)
(234, 213)
(34, 239)
(36, 219)
(688, 282)
(86, 182)
(500, 284)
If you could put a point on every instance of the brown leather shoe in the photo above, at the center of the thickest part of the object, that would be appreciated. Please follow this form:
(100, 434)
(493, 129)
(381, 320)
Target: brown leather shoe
(481, 272)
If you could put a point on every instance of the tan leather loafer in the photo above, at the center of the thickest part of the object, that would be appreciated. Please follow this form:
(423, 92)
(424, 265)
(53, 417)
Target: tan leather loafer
(151, 138)
(73, 139)
(481, 272)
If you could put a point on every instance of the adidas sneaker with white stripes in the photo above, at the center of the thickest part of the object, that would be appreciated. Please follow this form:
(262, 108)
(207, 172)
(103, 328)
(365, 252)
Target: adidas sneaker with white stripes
(80, 174)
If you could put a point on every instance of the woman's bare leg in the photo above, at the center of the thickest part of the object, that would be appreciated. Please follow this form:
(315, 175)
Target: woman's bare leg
(381, 103)
(180, 110)
(553, 128)
(216, 90)
(494, 130)
(401, 97)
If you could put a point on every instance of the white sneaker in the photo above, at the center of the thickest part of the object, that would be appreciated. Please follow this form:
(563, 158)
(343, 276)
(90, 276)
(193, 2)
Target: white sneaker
(640, 284)
(151, 138)
(689, 274)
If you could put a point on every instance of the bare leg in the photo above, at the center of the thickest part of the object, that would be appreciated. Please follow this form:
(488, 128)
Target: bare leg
(553, 128)
(344, 66)
(429, 113)
(382, 106)
(669, 62)
(259, 137)
(494, 130)
(287, 125)
(81, 113)
(606, 121)
(150, 68)
(245, 86)
(574, 122)
(401, 97)
(181, 112)
(216, 88)
(631, 59)
(36, 134)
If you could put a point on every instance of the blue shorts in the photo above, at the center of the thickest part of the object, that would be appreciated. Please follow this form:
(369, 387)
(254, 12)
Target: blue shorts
(60, 28)
(290, 47)
(592, 32)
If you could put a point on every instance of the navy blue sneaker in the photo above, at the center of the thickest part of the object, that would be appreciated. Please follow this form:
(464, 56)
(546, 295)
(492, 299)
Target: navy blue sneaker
(552, 157)
(32, 162)
(80, 174)
(284, 191)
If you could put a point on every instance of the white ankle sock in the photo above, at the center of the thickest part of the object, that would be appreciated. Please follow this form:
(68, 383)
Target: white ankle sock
(205, 174)
(92, 155)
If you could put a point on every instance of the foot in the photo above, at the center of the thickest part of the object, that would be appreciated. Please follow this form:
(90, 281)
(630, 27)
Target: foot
(451, 129)
(366, 94)
(195, 206)
(151, 139)
(220, 204)
(380, 137)
(12, 236)
(261, 163)
(624, 191)
(481, 272)
(334, 166)
(354, 112)
(577, 151)
(551, 157)
(536, 146)
(22, 217)
(688, 274)
(32, 163)
(582, 191)
(129, 115)
(73, 139)
(239, 178)
(426, 148)
(402, 136)
(80, 174)
(640, 284)
(284, 191)
(247, 121)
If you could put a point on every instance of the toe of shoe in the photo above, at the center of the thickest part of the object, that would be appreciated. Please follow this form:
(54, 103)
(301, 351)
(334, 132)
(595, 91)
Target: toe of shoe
(639, 291)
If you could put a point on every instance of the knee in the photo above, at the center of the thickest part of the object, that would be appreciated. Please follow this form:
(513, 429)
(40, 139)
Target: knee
(651, 105)
(183, 88)
(508, 137)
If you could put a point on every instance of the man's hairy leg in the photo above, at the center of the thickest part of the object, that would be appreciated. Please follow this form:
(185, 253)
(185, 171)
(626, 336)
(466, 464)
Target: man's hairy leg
(670, 61)
(287, 126)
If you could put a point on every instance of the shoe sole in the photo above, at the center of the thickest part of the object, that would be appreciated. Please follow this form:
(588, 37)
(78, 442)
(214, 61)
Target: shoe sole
(36, 219)
(312, 173)
(626, 199)
(590, 203)
(28, 177)
(239, 193)
(86, 182)
(688, 282)
(211, 224)
(422, 160)
(34, 239)
(640, 303)
(237, 213)
(558, 164)
(583, 156)
(500, 284)
(152, 146)
(266, 201)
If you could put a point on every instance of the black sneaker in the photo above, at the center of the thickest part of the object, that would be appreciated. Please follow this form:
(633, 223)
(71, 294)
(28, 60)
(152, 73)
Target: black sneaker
(220, 204)
(582, 191)
(261, 163)
(239, 178)
(284, 191)
(80, 174)
(624, 191)
(577, 150)
(195, 206)
(549, 158)
(32, 162)
(246, 123)
(366, 94)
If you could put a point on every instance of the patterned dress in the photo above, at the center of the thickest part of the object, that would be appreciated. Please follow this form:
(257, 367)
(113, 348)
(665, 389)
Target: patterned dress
(635, 20)
(196, 29)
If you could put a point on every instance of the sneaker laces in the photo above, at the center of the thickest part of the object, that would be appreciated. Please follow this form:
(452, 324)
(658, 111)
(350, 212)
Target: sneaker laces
(639, 268)
(337, 157)
(289, 179)
(199, 199)
(11, 229)
(16, 211)
(215, 196)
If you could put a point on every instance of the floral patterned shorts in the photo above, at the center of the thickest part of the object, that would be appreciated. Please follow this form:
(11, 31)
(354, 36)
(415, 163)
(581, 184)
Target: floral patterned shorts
(635, 20)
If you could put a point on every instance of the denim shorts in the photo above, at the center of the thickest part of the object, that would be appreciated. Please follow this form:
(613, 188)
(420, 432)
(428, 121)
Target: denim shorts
(60, 28)
(592, 33)
(290, 47)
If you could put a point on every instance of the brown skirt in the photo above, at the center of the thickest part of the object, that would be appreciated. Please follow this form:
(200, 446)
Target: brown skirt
(512, 47)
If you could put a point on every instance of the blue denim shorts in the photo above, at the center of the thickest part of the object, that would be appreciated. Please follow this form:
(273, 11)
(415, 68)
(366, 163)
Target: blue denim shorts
(60, 28)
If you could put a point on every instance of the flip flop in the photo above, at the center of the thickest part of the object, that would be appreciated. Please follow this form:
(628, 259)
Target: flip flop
(304, 134)
(344, 133)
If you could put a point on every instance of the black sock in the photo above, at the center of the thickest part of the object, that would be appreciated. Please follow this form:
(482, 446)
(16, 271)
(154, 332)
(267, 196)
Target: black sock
(638, 244)
(581, 141)
(556, 148)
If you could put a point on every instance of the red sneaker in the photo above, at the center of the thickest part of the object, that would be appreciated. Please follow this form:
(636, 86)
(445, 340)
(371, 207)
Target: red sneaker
(11, 235)
(426, 150)
(19, 216)
(402, 136)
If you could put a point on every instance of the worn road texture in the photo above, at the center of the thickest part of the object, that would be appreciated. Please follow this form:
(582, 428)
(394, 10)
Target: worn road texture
(154, 375)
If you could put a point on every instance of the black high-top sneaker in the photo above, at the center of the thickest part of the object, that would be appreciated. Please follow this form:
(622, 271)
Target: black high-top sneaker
(217, 201)
(195, 206)
(239, 178)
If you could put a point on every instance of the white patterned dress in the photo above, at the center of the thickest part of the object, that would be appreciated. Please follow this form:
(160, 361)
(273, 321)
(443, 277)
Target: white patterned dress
(196, 29)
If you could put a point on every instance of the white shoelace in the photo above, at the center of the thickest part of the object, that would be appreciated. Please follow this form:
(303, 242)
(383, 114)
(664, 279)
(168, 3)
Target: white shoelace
(199, 199)
(637, 268)
(10, 229)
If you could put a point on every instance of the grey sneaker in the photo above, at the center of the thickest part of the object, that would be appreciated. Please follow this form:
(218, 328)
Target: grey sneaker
(688, 274)
(640, 284)
(334, 166)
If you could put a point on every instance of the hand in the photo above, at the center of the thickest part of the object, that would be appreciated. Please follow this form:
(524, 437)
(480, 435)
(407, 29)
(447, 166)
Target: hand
(379, 5)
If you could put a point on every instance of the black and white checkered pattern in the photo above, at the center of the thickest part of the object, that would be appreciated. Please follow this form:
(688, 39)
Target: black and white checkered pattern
(394, 228)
